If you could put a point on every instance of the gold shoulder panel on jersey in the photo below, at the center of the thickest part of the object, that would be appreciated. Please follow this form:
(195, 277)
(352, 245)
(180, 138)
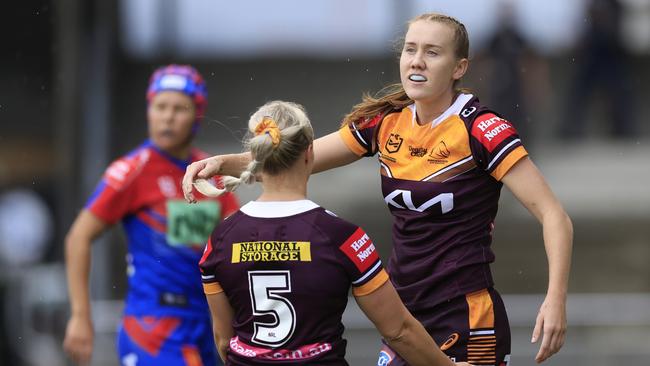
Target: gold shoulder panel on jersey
(350, 141)
(414, 152)
(370, 286)
(212, 288)
(508, 162)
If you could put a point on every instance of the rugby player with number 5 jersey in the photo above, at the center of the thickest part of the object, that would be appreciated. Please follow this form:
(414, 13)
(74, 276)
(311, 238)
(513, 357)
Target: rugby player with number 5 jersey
(277, 273)
(443, 159)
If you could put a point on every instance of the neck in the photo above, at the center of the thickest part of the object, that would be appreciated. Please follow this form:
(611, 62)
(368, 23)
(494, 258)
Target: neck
(429, 110)
(286, 186)
(180, 153)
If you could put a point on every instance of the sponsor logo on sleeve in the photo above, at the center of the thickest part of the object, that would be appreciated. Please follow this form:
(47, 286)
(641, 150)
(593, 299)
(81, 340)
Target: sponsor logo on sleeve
(386, 356)
(120, 173)
(360, 249)
(271, 251)
(491, 130)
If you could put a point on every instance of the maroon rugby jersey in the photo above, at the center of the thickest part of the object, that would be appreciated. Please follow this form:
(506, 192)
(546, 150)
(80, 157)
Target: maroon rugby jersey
(441, 182)
(287, 268)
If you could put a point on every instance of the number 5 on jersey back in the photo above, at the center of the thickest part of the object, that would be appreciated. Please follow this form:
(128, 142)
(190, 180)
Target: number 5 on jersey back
(265, 287)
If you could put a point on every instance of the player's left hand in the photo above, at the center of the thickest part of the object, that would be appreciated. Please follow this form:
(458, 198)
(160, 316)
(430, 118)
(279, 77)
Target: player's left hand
(551, 326)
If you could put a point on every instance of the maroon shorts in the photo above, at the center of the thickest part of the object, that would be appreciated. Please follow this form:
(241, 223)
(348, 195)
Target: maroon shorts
(472, 328)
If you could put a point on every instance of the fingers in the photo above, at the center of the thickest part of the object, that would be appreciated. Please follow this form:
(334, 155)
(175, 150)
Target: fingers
(545, 349)
(191, 173)
(539, 322)
(79, 351)
(552, 342)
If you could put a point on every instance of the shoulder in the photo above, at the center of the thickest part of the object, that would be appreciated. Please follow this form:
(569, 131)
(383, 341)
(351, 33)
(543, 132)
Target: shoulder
(227, 225)
(338, 230)
(490, 129)
(471, 110)
(376, 120)
(123, 171)
(328, 217)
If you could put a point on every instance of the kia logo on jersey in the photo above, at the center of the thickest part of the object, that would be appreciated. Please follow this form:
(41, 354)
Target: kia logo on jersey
(446, 201)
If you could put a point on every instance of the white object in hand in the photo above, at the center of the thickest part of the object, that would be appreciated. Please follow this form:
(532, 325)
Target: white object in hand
(207, 189)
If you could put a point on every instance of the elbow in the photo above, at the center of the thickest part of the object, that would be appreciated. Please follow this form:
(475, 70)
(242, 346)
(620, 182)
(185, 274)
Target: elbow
(69, 241)
(567, 224)
(222, 343)
(396, 334)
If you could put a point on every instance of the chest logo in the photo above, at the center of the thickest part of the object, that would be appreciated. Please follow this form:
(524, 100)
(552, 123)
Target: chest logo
(439, 154)
(417, 151)
(167, 186)
(446, 201)
(393, 143)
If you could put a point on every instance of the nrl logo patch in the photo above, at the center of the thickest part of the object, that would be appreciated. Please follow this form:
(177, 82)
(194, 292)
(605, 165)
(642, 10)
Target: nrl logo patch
(393, 143)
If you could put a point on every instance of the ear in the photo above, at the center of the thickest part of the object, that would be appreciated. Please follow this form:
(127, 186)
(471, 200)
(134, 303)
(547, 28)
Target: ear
(461, 68)
(309, 153)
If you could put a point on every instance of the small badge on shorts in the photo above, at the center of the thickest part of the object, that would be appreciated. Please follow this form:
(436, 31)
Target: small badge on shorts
(385, 357)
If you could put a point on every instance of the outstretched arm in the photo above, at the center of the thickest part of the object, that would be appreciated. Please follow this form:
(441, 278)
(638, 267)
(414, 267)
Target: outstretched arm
(528, 185)
(78, 341)
(329, 152)
(400, 329)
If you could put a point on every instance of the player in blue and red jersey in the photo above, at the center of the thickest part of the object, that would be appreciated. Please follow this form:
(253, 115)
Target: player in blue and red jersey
(443, 161)
(277, 273)
(166, 319)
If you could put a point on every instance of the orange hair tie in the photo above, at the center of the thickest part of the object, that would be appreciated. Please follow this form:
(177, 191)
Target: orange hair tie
(269, 127)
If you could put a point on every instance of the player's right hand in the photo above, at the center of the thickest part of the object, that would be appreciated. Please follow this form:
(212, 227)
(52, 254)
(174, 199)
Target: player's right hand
(203, 169)
(78, 341)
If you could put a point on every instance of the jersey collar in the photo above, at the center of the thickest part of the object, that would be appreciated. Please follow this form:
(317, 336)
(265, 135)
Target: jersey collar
(271, 209)
(455, 108)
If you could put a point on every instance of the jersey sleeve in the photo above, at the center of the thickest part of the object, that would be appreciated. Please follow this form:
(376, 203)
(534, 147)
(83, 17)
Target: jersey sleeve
(363, 263)
(358, 137)
(207, 265)
(115, 194)
(496, 146)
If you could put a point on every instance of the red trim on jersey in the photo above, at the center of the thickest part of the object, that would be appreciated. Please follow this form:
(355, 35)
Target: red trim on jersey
(191, 355)
(150, 334)
(206, 251)
(360, 249)
(367, 123)
(151, 221)
(491, 130)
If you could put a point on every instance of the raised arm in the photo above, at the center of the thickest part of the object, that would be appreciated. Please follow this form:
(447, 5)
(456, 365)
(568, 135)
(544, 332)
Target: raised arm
(400, 329)
(528, 185)
(78, 342)
(222, 315)
(329, 152)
